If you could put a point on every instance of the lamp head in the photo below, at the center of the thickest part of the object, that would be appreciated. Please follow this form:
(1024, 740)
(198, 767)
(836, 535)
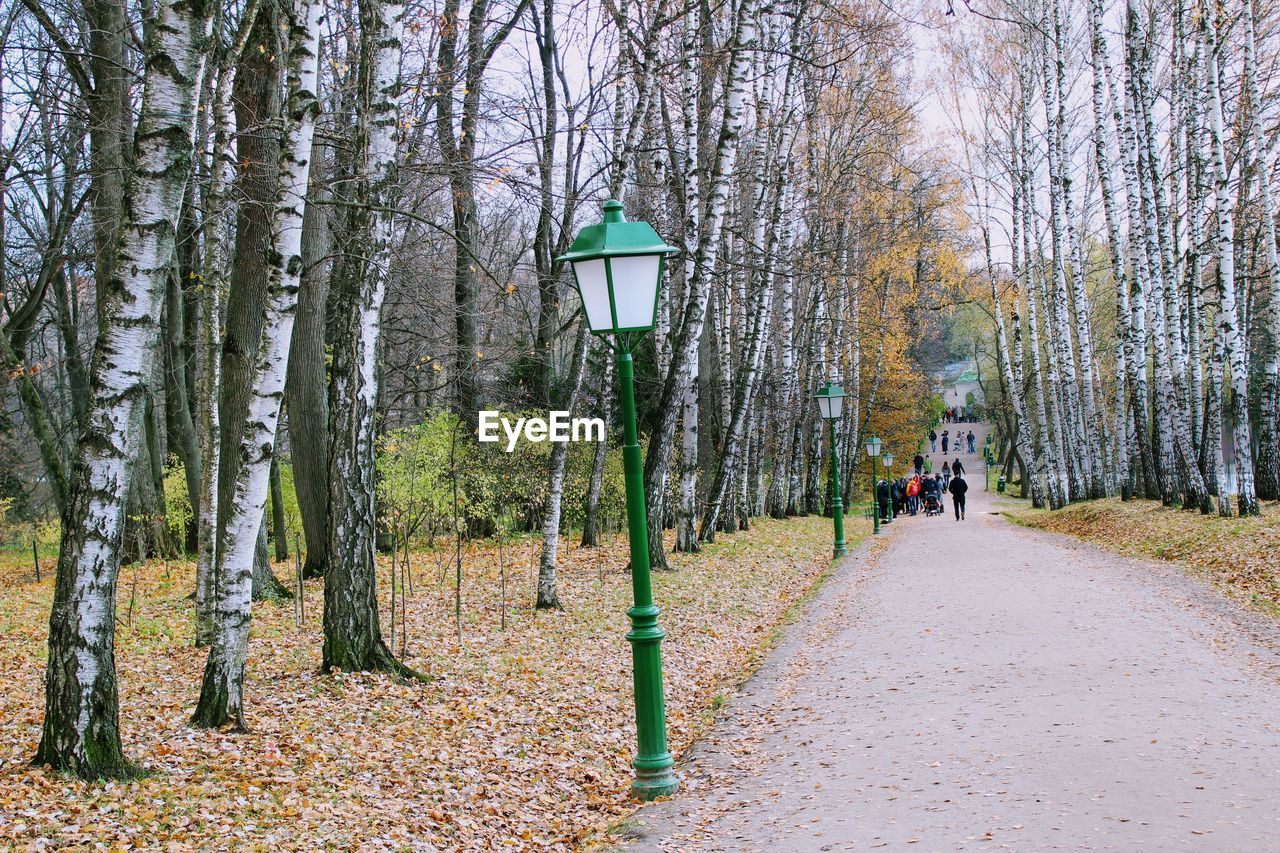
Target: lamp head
(617, 270)
(830, 401)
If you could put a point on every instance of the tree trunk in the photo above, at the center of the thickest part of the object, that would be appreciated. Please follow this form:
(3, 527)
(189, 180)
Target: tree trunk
(81, 724)
(208, 351)
(687, 339)
(306, 384)
(279, 533)
(352, 631)
(1268, 461)
(547, 595)
(242, 560)
(591, 525)
(1230, 328)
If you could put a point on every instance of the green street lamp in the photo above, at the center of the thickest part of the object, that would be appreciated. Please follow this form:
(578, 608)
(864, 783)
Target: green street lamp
(617, 269)
(830, 402)
(873, 450)
(887, 460)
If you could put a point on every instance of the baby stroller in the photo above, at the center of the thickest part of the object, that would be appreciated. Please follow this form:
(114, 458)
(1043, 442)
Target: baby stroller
(932, 504)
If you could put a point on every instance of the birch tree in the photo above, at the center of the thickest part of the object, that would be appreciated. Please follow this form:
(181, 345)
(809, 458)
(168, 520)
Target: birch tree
(352, 631)
(222, 693)
(81, 724)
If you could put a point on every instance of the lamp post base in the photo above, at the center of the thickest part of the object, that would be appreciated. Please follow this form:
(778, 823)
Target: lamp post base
(839, 551)
(652, 782)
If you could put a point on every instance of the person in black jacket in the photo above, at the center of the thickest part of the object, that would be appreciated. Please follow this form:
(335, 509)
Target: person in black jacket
(957, 488)
(957, 468)
(882, 499)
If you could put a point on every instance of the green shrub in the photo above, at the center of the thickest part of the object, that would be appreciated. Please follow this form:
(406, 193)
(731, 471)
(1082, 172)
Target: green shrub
(495, 489)
(177, 503)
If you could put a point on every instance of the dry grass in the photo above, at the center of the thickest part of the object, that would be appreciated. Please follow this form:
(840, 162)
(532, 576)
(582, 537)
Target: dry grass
(1239, 554)
(522, 739)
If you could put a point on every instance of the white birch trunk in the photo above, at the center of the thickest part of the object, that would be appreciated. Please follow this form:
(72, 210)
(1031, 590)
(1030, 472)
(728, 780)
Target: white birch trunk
(742, 44)
(1098, 51)
(222, 693)
(352, 630)
(81, 729)
(1063, 384)
(1268, 462)
(217, 265)
(1236, 409)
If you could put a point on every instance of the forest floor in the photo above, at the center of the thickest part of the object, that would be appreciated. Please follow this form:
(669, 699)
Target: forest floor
(522, 739)
(982, 685)
(1239, 555)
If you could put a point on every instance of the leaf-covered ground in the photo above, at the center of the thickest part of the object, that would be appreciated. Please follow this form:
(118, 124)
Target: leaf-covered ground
(522, 739)
(1237, 553)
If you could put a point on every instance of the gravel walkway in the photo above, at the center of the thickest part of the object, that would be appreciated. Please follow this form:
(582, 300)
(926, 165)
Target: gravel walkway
(977, 685)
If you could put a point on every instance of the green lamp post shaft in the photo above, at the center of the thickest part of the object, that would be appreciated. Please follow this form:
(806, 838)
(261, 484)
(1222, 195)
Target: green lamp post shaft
(653, 764)
(875, 499)
(889, 479)
(837, 506)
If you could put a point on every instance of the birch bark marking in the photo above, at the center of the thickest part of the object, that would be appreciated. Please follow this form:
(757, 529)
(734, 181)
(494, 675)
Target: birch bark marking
(81, 733)
(352, 632)
(222, 692)
(1229, 326)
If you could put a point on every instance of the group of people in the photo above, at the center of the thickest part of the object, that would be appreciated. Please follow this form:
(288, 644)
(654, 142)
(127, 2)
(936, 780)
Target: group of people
(950, 442)
(958, 414)
(923, 490)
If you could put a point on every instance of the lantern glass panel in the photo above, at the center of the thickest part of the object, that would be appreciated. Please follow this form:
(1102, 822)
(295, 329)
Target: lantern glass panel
(824, 406)
(635, 289)
(837, 405)
(873, 447)
(593, 286)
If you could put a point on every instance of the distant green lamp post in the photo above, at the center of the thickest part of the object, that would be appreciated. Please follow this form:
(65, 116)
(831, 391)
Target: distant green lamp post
(873, 450)
(617, 268)
(887, 460)
(830, 403)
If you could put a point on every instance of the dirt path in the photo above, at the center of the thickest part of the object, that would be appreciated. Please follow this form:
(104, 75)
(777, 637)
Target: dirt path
(976, 685)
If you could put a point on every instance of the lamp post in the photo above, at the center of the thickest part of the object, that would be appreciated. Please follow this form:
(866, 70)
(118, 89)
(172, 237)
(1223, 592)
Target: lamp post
(873, 450)
(887, 460)
(830, 403)
(617, 269)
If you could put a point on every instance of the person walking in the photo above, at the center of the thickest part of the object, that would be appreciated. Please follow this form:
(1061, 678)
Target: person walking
(972, 438)
(945, 439)
(918, 464)
(913, 495)
(957, 488)
(946, 474)
(928, 464)
(933, 441)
